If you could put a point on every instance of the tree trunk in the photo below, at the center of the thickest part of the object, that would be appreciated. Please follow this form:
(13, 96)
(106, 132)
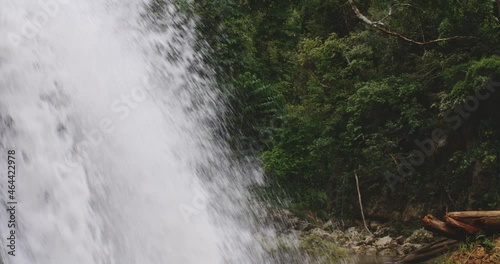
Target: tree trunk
(431, 251)
(457, 226)
(498, 8)
(489, 220)
(469, 229)
(437, 226)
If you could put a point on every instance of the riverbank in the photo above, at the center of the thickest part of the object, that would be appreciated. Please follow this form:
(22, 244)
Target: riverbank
(333, 241)
(484, 251)
(382, 241)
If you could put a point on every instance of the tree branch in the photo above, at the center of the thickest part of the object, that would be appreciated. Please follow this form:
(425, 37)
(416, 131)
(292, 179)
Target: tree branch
(380, 26)
(391, 9)
(361, 204)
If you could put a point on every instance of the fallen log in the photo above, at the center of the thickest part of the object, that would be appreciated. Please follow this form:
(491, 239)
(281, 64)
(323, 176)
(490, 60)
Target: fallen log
(445, 229)
(456, 228)
(487, 220)
(433, 250)
(469, 229)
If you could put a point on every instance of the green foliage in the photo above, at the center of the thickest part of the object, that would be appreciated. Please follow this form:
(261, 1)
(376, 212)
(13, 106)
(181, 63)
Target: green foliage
(318, 95)
(478, 74)
(254, 102)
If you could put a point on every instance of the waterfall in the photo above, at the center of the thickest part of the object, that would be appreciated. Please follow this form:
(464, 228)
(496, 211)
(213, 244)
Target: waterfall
(108, 109)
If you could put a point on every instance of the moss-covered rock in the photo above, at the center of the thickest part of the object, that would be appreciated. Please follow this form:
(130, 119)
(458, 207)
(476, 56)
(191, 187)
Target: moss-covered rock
(321, 249)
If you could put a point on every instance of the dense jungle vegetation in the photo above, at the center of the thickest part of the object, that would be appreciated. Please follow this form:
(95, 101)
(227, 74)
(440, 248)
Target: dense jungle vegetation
(402, 94)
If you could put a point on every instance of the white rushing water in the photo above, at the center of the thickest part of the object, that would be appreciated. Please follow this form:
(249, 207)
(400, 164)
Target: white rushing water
(111, 127)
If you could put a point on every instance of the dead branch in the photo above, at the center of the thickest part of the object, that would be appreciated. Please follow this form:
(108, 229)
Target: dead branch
(391, 9)
(433, 250)
(361, 204)
(380, 26)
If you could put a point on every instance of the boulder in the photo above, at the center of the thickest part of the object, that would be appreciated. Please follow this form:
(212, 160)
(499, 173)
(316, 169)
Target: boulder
(353, 234)
(420, 236)
(383, 242)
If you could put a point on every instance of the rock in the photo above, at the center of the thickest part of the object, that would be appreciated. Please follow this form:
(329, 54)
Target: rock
(371, 251)
(384, 242)
(400, 240)
(339, 237)
(420, 236)
(369, 240)
(374, 225)
(408, 247)
(353, 234)
(361, 250)
(382, 231)
(348, 245)
(322, 234)
(283, 220)
(306, 226)
(352, 230)
(387, 252)
(328, 226)
(337, 234)
(359, 243)
(400, 251)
